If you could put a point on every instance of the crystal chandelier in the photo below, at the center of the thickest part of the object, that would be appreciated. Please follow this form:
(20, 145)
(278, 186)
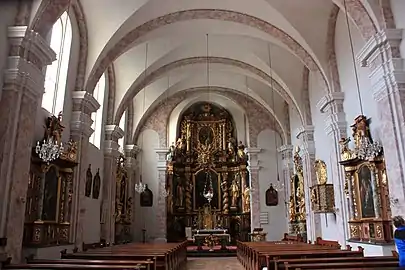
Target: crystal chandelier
(49, 150)
(140, 187)
(208, 191)
(368, 149)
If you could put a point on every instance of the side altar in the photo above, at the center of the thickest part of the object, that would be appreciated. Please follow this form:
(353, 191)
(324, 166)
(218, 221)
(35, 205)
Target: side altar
(207, 178)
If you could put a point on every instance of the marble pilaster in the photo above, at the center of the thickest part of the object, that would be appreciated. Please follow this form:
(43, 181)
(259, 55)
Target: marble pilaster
(387, 73)
(162, 209)
(336, 128)
(306, 135)
(253, 154)
(21, 94)
(80, 131)
(111, 155)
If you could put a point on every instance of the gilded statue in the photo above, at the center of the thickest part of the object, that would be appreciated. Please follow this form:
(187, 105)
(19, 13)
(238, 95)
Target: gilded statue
(301, 209)
(345, 152)
(235, 192)
(241, 151)
(118, 210)
(170, 155)
(291, 209)
(231, 150)
(54, 128)
(207, 217)
(360, 129)
(321, 172)
(297, 160)
(246, 200)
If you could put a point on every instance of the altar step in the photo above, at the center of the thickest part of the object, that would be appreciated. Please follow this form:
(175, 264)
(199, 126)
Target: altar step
(230, 251)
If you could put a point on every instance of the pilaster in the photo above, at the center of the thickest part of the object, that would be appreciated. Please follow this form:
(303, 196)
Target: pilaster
(131, 164)
(80, 131)
(111, 155)
(336, 128)
(253, 154)
(306, 135)
(387, 74)
(22, 90)
(286, 152)
(162, 208)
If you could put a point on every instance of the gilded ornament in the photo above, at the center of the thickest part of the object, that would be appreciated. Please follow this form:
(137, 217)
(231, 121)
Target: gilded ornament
(321, 172)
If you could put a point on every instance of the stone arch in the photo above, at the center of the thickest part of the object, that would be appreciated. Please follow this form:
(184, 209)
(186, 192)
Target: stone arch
(143, 81)
(156, 116)
(111, 94)
(330, 50)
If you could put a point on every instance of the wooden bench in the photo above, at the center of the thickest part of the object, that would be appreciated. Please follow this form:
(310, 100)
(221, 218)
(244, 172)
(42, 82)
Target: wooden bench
(163, 255)
(256, 255)
(291, 263)
(148, 264)
(344, 265)
(294, 238)
(71, 266)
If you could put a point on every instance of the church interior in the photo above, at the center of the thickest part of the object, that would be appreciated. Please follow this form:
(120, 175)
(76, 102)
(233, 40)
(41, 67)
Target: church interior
(189, 134)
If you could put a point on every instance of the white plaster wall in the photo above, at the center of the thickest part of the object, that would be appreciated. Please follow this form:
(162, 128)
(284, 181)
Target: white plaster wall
(91, 225)
(7, 13)
(295, 123)
(398, 10)
(146, 216)
(277, 225)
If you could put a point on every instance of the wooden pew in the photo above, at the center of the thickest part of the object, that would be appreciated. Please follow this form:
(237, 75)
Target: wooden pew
(163, 255)
(148, 264)
(291, 263)
(344, 265)
(293, 238)
(255, 255)
(72, 267)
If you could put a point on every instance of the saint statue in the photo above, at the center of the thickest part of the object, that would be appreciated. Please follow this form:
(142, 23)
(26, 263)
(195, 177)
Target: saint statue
(180, 195)
(246, 203)
(241, 151)
(170, 155)
(234, 192)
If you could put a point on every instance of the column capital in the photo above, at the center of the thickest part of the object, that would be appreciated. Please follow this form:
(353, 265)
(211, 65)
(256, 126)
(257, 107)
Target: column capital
(161, 155)
(36, 48)
(305, 130)
(391, 36)
(131, 150)
(111, 148)
(253, 150)
(85, 102)
(80, 124)
(331, 101)
(286, 148)
(113, 132)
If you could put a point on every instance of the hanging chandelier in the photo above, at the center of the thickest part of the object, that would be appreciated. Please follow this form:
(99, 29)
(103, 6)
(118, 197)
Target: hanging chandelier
(368, 149)
(49, 150)
(208, 189)
(140, 187)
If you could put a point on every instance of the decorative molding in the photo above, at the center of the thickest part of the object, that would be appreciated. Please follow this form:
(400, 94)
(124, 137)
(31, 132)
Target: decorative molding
(111, 148)
(301, 130)
(285, 148)
(113, 132)
(87, 100)
(392, 36)
(80, 123)
(326, 100)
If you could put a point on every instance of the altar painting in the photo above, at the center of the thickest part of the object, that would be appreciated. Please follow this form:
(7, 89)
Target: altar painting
(366, 192)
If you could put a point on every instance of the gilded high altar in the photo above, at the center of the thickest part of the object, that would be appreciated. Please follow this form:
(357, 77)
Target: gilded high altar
(207, 161)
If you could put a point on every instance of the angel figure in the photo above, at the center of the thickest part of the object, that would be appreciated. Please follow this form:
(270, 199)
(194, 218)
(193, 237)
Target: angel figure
(345, 152)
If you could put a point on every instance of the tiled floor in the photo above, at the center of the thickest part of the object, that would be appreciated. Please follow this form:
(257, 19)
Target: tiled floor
(213, 263)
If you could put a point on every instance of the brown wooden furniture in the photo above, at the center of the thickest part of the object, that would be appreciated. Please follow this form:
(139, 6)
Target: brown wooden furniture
(295, 238)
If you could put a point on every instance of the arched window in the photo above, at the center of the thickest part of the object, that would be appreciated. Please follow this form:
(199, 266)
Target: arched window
(97, 116)
(56, 74)
(122, 126)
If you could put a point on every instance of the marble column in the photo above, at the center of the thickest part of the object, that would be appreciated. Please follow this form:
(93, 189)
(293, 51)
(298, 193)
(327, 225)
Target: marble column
(253, 154)
(162, 209)
(22, 90)
(83, 105)
(306, 135)
(131, 165)
(336, 128)
(387, 73)
(111, 155)
(286, 152)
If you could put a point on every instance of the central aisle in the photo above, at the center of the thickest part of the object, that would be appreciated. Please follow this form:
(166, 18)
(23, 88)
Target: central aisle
(213, 264)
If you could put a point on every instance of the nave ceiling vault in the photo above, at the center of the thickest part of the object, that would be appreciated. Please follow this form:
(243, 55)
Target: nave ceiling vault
(177, 26)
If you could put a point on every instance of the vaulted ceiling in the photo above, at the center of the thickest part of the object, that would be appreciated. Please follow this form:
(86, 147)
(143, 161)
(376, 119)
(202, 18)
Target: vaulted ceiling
(170, 37)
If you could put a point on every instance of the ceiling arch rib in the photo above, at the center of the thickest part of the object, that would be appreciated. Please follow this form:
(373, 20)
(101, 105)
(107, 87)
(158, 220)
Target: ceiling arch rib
(250, 108)
(143, 81)
(132, 37)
